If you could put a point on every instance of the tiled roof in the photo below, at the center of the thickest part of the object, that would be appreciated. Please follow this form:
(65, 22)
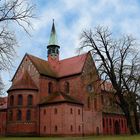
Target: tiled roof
(73, 65)
(59, 97)
(24, 82)
(66, 67)
(42, 66)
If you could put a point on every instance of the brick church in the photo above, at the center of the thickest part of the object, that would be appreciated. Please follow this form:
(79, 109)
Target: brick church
(59, 97)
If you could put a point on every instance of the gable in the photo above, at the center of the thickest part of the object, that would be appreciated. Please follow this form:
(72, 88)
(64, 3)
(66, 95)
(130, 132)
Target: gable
(89, 70)
(37, 66)
(25, 65)
(24, 82)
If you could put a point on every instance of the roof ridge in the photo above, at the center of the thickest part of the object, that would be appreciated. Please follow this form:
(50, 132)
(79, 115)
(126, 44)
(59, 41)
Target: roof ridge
(73, 57)
(36, 57)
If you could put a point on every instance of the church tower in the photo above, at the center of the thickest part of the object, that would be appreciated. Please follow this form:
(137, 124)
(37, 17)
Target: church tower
(53, 47)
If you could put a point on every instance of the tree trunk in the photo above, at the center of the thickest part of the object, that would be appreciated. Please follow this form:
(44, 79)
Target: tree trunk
(129, 123)
(136, 119)
(125, 108)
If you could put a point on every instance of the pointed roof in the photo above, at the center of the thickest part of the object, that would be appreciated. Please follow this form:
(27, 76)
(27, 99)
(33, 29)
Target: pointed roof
(53, 36)
(42, 66)
(24, 82)
(66, 67)
(59, 97)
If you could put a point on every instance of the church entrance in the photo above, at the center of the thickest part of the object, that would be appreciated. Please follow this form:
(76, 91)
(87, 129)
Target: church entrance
(117, 128)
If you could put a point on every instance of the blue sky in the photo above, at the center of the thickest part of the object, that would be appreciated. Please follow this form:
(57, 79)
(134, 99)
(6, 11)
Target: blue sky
(71, 17)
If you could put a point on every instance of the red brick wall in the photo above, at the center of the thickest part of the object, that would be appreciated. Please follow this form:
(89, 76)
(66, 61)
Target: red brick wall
(3, 115)
(14, 125)
(21, 128)
(109, 124)
(43, 87)
(67, 122)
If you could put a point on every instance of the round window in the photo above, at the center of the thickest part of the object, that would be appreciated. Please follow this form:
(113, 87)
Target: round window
(89, 88)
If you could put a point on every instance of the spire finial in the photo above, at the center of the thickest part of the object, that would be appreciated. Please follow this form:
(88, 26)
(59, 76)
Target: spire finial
(53, 36)
(53, 48)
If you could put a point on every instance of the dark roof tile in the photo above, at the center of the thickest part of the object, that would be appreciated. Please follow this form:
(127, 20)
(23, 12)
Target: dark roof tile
(59, 97)
(24, 82)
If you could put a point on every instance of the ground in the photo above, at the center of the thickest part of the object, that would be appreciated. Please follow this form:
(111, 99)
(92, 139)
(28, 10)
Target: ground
(135, 137)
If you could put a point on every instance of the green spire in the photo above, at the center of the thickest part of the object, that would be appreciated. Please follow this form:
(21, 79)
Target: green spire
(53, 36)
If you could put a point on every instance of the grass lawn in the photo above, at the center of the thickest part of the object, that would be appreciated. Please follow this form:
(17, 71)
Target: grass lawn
(135, 137)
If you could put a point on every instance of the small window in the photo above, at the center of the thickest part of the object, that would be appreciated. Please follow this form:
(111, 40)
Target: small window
(11, 100)
(55, 128)
(79, 128)
(103, 122)
(88, 102)
(10, 115)
(44, 112)
(71, 128)
(30, 100)
(95, 104)
(71, 111)
(107, 122)
(67, 87)
(55, 111)
(28, 115)
(110, 122)
(90, 88)
(20, 100)
(122, 123)
(44, 128)
(50, 87)
(19, 115)
(78, 111)
(102, 99)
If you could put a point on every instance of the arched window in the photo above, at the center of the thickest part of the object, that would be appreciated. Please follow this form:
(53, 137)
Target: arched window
(50, 87)
(44, 128)
(78, 111)
(79, 128)
(67, 87)
(122, 123)
(20, 99)
(30, 100)
(55, 111)
(71, 111)
(11, 100)
(28, 115)
(107, 122)
(71, 128)
(55, 128)
(110, 123)
(103, 122)
(102, 99)
(88, 102)
(95, 104)
(44, 112)
(10, 115)
(19, 115)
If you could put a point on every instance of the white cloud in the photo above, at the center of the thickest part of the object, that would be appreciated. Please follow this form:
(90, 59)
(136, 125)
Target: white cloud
(120, 16)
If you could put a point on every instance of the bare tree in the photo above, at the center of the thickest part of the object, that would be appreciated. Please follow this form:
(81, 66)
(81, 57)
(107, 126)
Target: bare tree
(131, 80)
(114, 59)
(1, 86)
(12, 13)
